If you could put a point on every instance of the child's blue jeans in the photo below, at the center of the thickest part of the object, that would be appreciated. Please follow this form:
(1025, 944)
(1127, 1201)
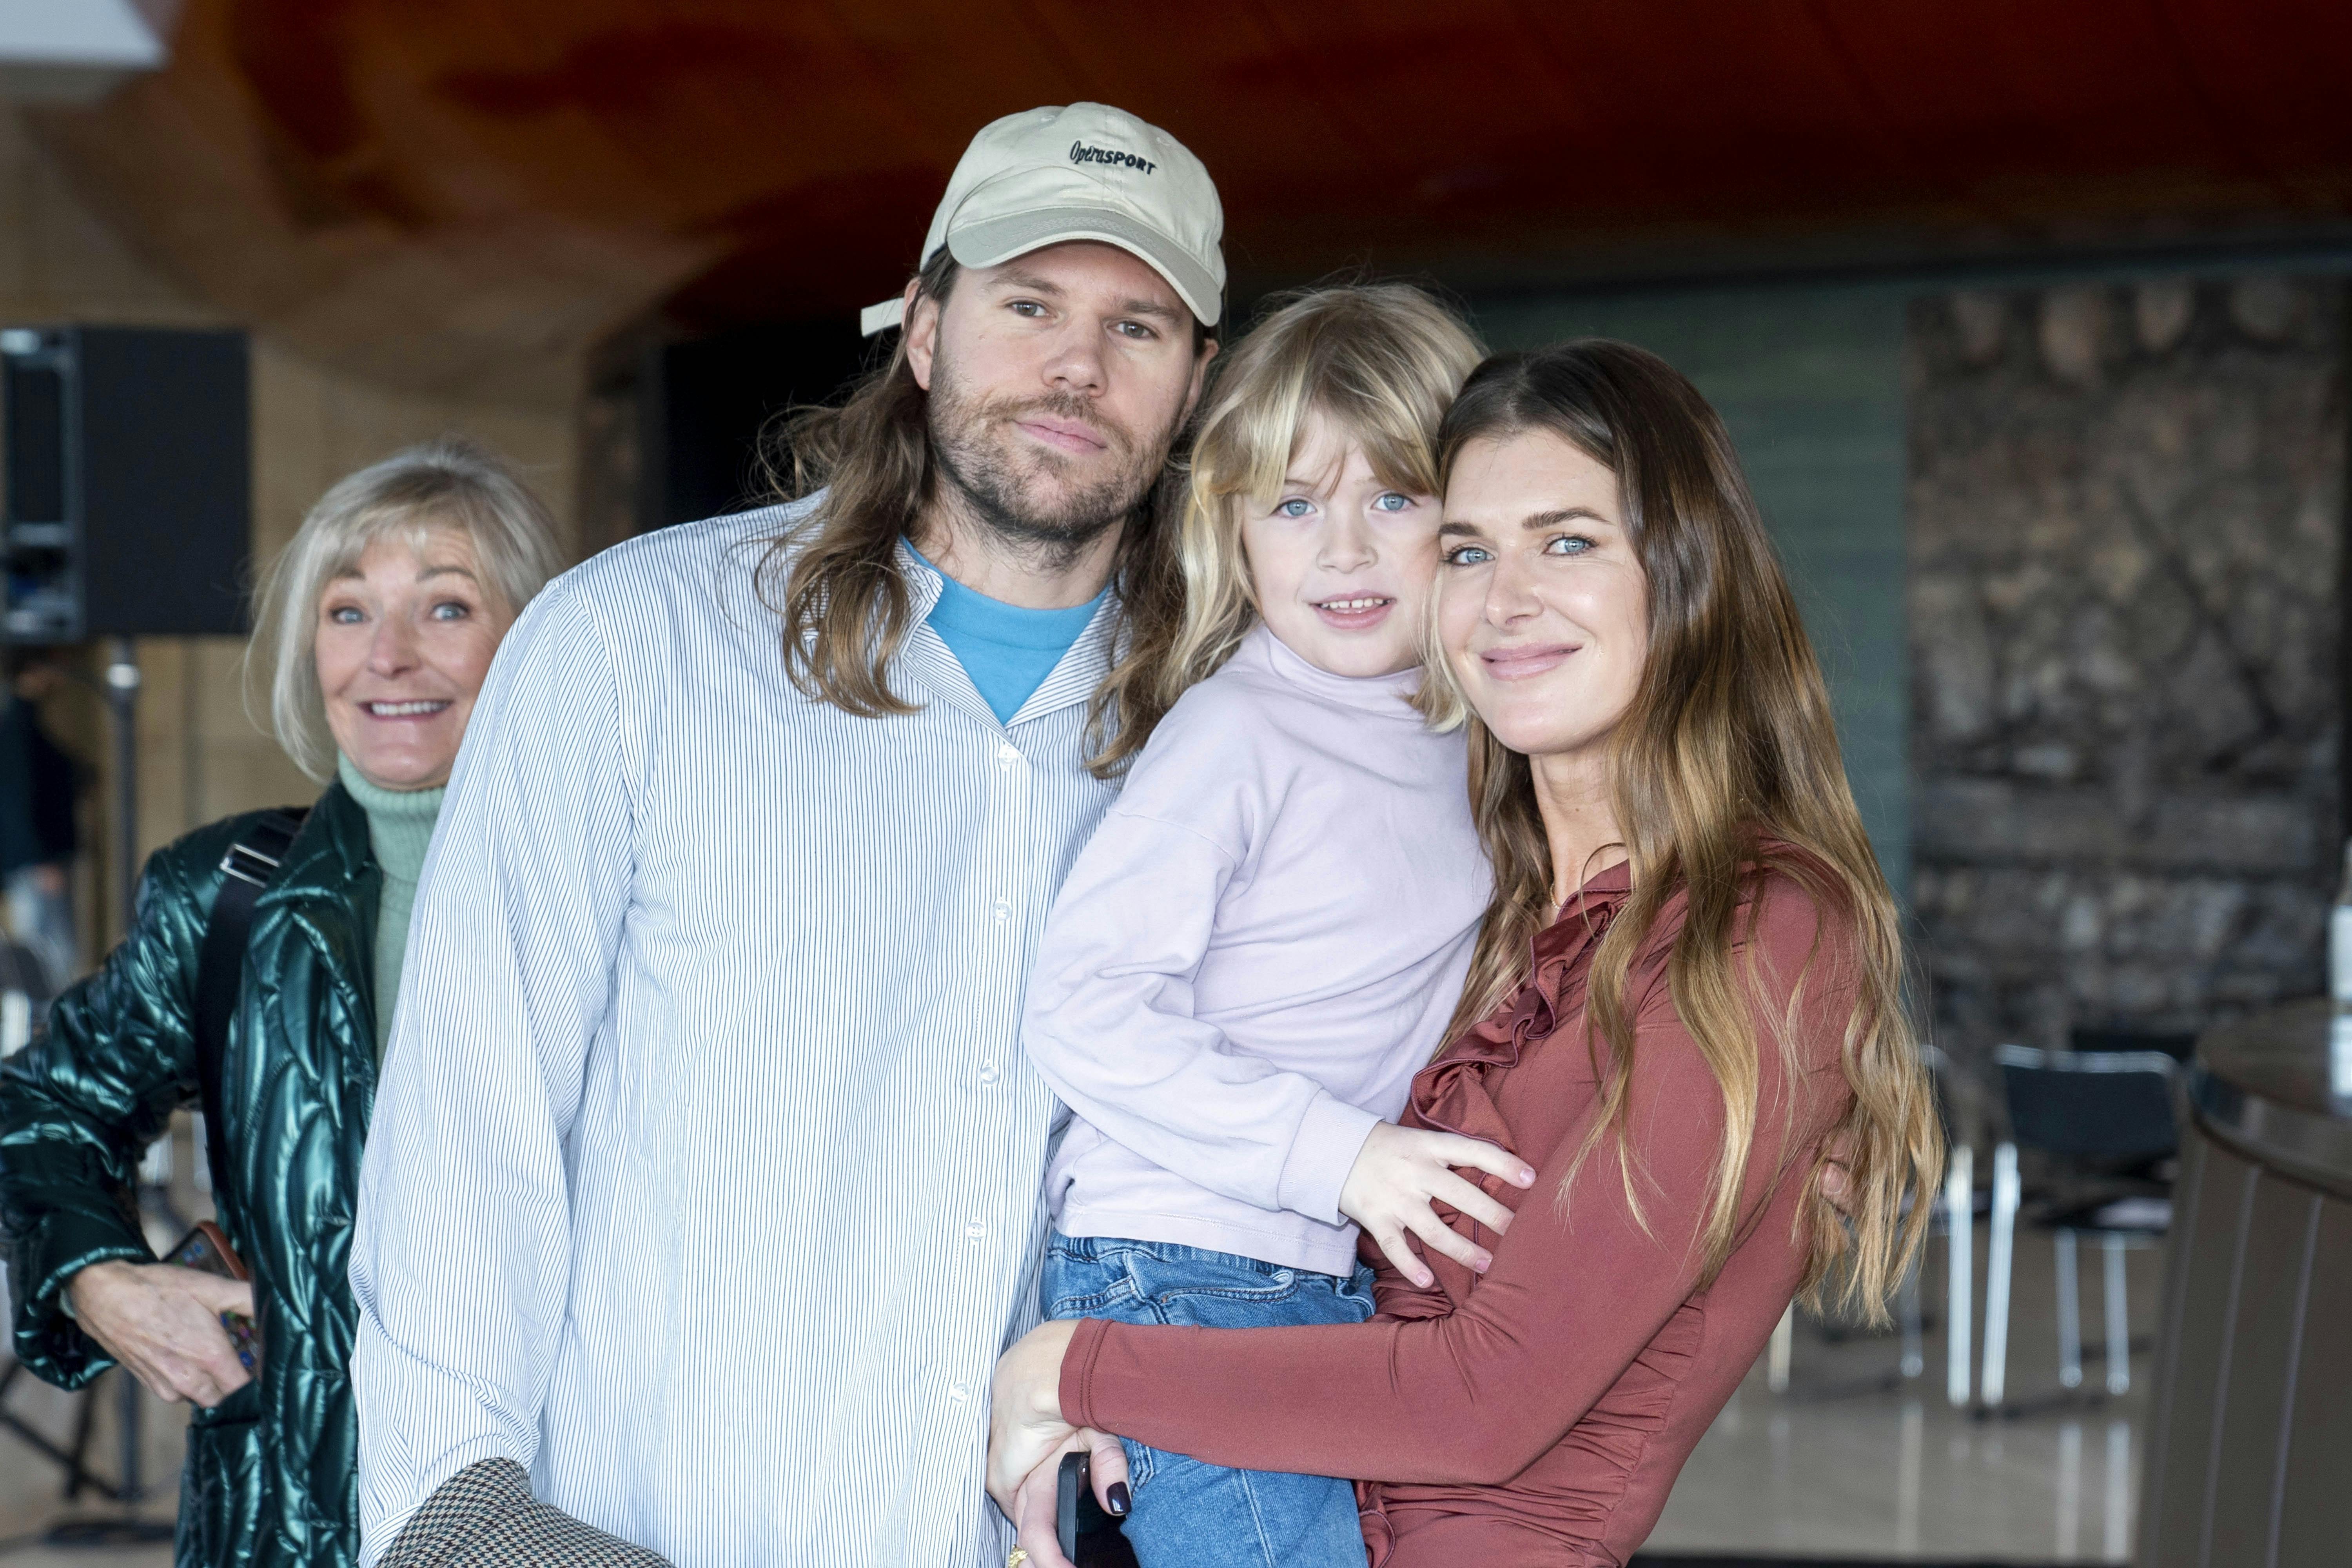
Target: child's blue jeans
(1187, 1512)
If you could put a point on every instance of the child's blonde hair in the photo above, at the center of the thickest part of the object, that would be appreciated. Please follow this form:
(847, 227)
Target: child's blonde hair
(1381, 361)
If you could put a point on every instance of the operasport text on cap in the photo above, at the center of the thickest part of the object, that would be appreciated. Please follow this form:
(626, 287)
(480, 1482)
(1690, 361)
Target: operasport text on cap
(1086, 170)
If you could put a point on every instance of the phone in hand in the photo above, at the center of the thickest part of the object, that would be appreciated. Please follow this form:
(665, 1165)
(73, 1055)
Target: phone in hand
(206, 1250)
(1088, 1537)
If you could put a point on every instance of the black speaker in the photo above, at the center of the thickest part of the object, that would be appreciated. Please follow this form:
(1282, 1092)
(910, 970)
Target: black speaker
(128, 505)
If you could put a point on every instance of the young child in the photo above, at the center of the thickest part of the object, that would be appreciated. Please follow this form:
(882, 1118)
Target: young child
(1263, 942)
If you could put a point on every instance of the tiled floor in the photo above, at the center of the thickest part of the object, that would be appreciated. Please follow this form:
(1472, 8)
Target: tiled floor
(1903, 1477)
(1893, 1474)
(1901, 1474)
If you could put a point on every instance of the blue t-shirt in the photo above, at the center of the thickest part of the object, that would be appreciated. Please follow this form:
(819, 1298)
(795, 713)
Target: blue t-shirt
(1007, 650)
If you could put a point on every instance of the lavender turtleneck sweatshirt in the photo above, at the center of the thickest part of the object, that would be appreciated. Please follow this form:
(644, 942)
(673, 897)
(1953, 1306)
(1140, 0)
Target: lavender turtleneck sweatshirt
(1251, 959)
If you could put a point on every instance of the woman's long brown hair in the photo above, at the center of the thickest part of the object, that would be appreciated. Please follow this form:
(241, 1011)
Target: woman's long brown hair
(1725, 772)
(834, 579)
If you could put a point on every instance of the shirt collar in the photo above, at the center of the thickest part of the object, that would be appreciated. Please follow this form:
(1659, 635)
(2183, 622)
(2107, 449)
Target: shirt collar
(1074, 680)
(923, 579)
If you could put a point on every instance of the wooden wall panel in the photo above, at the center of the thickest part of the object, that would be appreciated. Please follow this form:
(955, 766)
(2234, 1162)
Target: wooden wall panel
(2252, 1436)
(2208, 1251)
(2250, 1444)
(2316, 1490)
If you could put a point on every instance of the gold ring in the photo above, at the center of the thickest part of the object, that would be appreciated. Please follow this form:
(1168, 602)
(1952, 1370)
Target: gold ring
(1019, 1555)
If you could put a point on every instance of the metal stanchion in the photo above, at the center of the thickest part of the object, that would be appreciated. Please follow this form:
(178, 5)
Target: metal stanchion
(122, 680)
(1960, 1208)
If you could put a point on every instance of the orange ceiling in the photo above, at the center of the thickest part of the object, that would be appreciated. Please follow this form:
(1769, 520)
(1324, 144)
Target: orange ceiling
(749, 158)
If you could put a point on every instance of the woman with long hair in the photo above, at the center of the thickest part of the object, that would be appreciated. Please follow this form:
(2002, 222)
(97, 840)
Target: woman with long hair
(1689, 981)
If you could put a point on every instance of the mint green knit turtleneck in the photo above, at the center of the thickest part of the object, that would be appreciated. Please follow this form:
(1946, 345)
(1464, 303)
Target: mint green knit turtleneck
(400, 825)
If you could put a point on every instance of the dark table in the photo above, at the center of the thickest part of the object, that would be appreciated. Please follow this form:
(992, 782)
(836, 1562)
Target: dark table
(2250, 1443)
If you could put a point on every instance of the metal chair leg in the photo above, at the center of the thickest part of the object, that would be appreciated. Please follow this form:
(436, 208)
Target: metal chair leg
(70, 1460)
(2069, 1313)
(1959, 1218)
(1915, 1328)
(1776, 1365)
(2118, 1319)
(1995, 1381)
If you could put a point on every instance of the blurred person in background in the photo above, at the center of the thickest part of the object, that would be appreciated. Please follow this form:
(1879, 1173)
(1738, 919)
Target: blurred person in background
(40, 838)
(374, 629)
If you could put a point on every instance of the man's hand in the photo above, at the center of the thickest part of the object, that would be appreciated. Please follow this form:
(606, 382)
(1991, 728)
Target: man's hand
(163, 1323)
(1397, 1175)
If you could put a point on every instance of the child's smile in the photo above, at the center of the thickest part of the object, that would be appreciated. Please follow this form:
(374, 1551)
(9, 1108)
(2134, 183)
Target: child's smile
(1340, 562)
(1360, 613)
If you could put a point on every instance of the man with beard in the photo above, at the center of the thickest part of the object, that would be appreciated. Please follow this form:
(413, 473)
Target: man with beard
(701, 1190)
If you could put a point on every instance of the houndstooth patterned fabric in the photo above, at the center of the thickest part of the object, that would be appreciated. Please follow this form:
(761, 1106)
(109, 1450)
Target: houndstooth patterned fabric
(484, 1517)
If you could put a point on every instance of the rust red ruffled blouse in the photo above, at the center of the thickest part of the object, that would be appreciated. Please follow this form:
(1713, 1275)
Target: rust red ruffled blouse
(1540, 1414)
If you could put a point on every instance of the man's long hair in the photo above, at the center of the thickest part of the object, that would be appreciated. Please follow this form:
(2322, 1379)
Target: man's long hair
(1726, 771)
(833, 576)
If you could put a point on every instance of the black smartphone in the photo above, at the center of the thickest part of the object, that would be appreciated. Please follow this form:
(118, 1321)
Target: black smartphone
(1089, 1538)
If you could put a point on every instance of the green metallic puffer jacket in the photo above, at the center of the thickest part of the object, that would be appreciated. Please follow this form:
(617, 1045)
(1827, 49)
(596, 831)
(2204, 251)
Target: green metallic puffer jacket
(271, 1475)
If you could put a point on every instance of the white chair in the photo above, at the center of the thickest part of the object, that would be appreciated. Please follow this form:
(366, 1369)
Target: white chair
(1953, 1219)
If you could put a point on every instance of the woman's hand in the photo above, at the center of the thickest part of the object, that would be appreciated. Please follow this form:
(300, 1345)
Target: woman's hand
(162, 1324)
(1036, 1512)
(1027, 1438)
(1397, 1175)
(1025, 1419)
(1837, 1170)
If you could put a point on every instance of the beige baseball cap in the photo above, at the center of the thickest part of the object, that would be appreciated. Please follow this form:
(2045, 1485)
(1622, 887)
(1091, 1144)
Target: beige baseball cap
(1083, 172)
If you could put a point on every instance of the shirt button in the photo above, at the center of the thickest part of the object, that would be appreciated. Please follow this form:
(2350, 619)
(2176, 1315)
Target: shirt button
(960, 1393)
(1006, 756)
(974, 1230)
(988, 1073)
(1004, 909)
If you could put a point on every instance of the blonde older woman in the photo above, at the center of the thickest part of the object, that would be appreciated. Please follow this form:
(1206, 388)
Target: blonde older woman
(374, 629)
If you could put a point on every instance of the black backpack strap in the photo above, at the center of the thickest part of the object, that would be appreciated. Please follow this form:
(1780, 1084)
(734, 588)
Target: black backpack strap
(246, 872)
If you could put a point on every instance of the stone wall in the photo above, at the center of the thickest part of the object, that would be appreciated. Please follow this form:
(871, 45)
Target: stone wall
(2126, 510)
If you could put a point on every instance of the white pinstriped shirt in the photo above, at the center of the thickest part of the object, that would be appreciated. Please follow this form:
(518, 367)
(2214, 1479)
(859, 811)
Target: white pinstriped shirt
(703, 1179)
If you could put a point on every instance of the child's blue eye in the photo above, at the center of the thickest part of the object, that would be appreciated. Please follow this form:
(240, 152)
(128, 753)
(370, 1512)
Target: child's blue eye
(1391, 500)
(1295, 507)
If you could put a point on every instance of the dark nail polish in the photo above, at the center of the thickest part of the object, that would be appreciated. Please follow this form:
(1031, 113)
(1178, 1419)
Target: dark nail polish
(1120, 1499)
